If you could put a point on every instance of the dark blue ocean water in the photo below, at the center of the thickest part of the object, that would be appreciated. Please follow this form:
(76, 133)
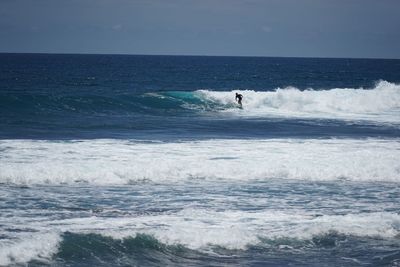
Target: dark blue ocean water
(118, 160)
(92, 96)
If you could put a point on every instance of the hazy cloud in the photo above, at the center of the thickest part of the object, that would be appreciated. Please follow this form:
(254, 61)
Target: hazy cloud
(117, 27)
(266, 29)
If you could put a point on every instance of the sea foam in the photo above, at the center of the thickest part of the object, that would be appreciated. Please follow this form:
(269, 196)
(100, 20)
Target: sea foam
(40, 247)
(109, 161)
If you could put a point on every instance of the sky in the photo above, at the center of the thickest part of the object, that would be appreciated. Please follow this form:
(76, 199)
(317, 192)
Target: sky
(288, 28)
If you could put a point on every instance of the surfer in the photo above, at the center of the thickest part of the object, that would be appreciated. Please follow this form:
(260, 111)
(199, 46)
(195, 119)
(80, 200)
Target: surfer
(239, 98)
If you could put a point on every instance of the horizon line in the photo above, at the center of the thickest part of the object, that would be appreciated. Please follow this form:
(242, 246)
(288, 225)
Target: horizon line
(195, 55)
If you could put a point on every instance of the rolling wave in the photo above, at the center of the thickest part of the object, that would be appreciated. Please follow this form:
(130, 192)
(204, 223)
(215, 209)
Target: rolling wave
(193, 233)
(379, 103)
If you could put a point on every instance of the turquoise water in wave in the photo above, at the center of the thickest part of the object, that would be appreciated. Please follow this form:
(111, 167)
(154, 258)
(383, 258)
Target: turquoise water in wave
(112, 160)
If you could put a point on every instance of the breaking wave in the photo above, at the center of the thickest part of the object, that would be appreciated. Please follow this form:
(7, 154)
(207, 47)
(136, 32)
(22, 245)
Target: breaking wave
(379, 103)
(191, 234)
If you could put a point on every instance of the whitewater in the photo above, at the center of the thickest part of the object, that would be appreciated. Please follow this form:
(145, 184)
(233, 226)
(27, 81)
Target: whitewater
(381, 103)
(115, 162)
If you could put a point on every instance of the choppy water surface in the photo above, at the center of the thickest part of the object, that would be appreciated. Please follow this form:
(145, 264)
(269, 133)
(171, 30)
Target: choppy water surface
(148, 161)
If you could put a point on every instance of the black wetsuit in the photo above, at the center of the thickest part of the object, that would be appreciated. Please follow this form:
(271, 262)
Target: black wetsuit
(239, 98)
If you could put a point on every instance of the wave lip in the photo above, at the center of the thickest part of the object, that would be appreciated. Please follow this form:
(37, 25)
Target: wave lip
(109, 161)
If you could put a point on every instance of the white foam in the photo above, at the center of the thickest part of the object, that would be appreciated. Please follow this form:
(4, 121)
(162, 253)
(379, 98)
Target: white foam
(121, 162)
(381, 103)
(39, 246)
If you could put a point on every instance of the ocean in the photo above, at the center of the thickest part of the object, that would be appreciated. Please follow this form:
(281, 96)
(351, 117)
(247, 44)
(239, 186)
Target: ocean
(120, 160)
